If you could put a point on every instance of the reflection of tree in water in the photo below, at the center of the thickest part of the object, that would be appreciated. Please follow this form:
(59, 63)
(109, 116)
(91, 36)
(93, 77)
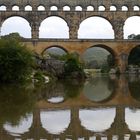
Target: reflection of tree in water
(15, 102)
(134, 87)
(55, 89)
(73, 87)
(66, 89)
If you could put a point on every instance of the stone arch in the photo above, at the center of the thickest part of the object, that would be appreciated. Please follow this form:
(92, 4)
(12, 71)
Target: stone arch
(87, 28)
(136, 8)
(7, 27)
(78, 8)
(3, 8)
(90, 8)
(66, 8)
(53, 8)
(59, 30)
(101, 8)
(101, 48)
(113, 8)
(41, 8)
(54, 46)
(15, 8)
(124, 8)
(131, 26)
(28, 8)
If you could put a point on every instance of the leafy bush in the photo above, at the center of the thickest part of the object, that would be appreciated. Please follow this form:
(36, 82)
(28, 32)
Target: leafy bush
(15, 61)
(73, 67)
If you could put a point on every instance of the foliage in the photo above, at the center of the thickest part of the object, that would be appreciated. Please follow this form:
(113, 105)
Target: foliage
(13, 36)
(16, 61)
(105, 68)
(16, 101)
(72, 67)
(133, 36)
(39, 76)
(73, 87)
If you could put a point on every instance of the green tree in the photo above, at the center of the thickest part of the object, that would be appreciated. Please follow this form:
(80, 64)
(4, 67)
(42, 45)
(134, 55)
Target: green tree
(13, 36)
(133, 36)
(15, 61)
(73, 68)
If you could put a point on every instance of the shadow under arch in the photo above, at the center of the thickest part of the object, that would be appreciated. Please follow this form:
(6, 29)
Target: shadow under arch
(13, 23)
(100, 31)
(54, 27)
(134, 56)
(131, 26)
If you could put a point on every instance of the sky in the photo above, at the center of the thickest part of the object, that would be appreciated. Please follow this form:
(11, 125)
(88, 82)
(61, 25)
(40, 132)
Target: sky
(56, 27)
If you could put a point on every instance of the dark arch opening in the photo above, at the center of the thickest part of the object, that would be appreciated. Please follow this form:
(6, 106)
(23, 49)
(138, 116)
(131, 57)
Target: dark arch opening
(96, 28)
(99, 57)
(54, 27)
(16, 24)
(134, 56)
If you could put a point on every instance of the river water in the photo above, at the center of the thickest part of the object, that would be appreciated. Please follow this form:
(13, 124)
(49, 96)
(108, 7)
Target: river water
(100, 108)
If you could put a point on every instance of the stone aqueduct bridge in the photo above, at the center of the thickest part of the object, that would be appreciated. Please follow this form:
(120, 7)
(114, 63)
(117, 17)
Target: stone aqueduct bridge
(119, 47)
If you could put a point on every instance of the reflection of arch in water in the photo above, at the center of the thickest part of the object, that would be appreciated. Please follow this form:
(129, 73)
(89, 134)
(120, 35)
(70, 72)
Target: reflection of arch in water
(97, 120)
(99, 89)
(53, 93)
(132, 119)
(21, 128)
(57, 99)
(55, 122)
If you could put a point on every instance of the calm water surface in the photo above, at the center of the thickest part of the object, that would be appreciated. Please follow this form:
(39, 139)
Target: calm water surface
(101, 108)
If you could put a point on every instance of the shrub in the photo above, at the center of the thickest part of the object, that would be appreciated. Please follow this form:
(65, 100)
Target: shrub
(15, 61)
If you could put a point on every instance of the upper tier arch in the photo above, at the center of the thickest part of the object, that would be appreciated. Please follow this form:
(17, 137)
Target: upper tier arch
(71, 3)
